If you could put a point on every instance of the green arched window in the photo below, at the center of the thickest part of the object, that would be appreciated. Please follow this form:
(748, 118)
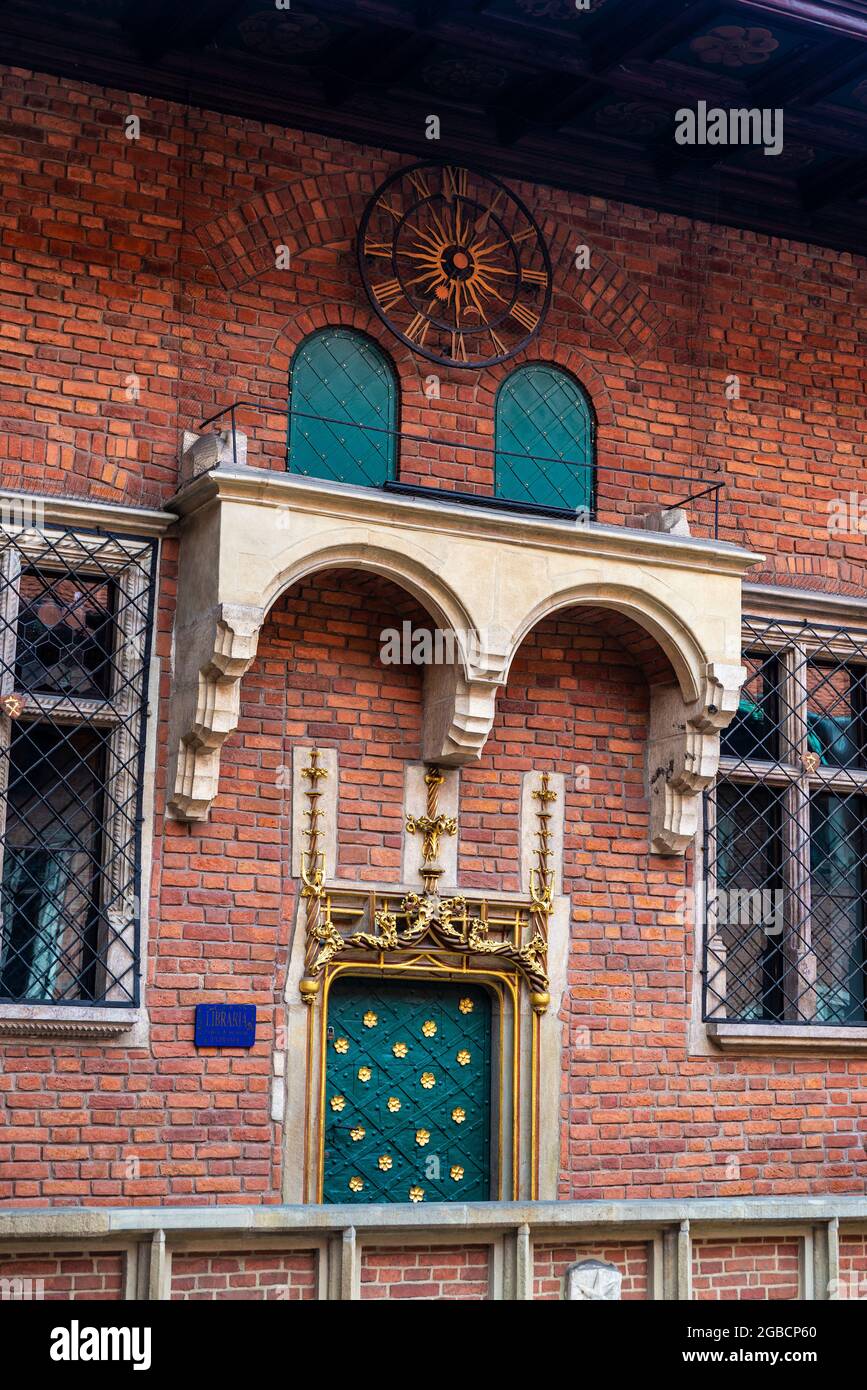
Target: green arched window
(342, 409)
(545, 439)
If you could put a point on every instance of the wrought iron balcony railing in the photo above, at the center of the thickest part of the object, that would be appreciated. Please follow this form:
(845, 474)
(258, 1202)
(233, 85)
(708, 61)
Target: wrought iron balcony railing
(424, 465)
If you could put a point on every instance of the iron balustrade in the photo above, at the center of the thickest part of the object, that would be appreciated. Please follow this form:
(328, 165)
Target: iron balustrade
(618, 490)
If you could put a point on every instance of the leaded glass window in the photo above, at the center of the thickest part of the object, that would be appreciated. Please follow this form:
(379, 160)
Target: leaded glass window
(342, 409)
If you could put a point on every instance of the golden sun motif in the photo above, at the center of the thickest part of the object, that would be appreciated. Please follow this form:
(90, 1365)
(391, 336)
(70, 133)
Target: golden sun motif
(454, 264)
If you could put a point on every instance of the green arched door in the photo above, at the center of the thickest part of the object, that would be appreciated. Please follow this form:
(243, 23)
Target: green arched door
(544, 441)
(407, 1093)
(342, 409)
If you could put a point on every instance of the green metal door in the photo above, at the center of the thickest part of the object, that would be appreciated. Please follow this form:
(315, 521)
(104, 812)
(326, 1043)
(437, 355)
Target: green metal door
(544, 440)
(342, 409)
(407, 1093)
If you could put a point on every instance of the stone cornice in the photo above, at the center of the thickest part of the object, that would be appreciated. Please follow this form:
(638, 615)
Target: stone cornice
(775, 600)
(340, 500)
(76, 513)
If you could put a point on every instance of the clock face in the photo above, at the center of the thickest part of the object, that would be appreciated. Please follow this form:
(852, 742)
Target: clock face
(454, 265)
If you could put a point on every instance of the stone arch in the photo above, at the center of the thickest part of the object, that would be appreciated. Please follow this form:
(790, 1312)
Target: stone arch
(687, 659)
(427, 587)
(686, 714)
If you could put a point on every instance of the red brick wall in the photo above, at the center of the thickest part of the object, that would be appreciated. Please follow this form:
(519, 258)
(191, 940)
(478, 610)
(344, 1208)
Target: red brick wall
(249, 1274)
(853, 1267)
(116, 261)
(760, 1268)
(67, 1274)
(156, 258)
(430, 1271)
(550, 1263)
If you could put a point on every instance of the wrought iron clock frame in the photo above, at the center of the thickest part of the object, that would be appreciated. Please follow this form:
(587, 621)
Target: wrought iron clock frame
(454, 265)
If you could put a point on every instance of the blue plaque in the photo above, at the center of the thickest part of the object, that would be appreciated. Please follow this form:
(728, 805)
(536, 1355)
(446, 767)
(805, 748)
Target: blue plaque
(225, 1025)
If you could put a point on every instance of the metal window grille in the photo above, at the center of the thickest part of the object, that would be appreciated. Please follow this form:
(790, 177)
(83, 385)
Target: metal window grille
(75, 636)
(342, 410)
(786, 834)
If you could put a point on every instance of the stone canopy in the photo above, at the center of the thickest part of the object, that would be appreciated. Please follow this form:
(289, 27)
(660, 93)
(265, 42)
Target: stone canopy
(488, 577)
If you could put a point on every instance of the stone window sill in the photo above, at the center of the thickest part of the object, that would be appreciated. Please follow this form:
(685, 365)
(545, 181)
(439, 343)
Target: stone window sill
(47, 1021)
(782, 1037)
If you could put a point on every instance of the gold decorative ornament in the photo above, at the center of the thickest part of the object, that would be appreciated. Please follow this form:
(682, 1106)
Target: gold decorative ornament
(321, 940)
(384, 1162)
(456, 1172)
(463, 1057)
(452, 932)
(459, 1115)
(431, 826)
(393, 1104)
(428, 1080)
(357, 1133)
(422, 1137)
(416, 1194)
(338, 1102)
(341, 1044)
(356, 1184)
(364, 1073)
(400, 1049)
(429, 1028)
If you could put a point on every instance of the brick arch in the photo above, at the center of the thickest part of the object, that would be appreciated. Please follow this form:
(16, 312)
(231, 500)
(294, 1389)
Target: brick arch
(320, 210)
(310, 211)
(606, 295)
(554, 355)
(820, 572)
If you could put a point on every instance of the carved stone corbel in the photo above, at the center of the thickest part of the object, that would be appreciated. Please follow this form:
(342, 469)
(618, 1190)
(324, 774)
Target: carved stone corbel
(683, 753)
(213, 699)
(458, 715)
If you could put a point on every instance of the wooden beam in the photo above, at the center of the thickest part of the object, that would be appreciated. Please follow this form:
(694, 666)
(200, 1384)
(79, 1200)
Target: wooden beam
(157, 29)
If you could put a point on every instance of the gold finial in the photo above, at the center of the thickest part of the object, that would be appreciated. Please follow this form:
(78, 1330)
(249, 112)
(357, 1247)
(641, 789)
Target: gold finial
(431, 826)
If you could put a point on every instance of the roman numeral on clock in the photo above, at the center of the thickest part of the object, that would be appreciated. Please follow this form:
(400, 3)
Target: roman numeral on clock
(534, 277)
(388, 293)
(418, 329)
(526, 318)
(456, 182)
(418, 182)
(377, 248)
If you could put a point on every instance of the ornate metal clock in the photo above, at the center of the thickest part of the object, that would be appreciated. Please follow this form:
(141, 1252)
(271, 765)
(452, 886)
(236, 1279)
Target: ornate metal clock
(454, 265)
